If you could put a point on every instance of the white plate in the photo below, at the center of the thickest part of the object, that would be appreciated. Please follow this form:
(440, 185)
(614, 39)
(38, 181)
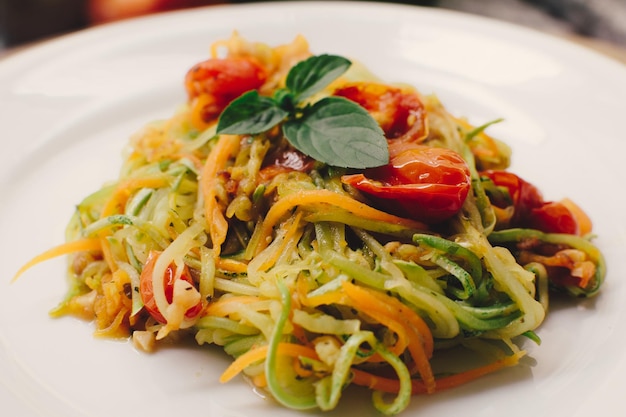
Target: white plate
(68, 106)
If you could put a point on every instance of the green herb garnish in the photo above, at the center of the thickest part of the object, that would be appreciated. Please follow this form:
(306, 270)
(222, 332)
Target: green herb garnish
(333, 130)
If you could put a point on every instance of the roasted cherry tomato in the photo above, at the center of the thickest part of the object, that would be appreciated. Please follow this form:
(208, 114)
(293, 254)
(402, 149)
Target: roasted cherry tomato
(421, 182)
(400, 113)
(218, 81)
(520, 194)
(553, 217)
(146, 289)
(530, 209)
(285, 160)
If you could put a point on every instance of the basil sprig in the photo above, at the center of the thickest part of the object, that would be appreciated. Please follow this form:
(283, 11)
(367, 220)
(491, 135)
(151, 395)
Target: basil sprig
(333, 130)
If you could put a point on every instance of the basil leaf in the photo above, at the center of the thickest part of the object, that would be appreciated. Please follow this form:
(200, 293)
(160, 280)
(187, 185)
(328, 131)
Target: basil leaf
(285, 100)
(314, 73)
(250, 114)
(339, 132)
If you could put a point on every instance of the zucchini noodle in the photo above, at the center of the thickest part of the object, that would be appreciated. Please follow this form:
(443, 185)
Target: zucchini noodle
(309, 283)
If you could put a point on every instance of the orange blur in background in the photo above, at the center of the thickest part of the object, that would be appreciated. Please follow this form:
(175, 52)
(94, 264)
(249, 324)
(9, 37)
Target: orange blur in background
(26, 21)
(101, 11)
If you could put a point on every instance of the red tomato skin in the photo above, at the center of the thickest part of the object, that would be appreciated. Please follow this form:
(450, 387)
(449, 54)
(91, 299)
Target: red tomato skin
(553, 217)
(226, 77)
(524, 195)
(400, 113)
(221, 80)
(420, 182)
(284, 160)
(531, 210)
(293, 160)
(146, 289)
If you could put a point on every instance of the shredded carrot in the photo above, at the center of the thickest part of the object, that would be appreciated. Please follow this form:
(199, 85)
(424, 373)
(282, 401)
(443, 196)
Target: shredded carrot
(317, 197)
(582, 219)
(299, 333)
(223, 306)
(381, 308)
(331, 297)
(468, 376)
(218, 226)
(116, 329)
(301, 370)
(232, 265)
(302, 289)
(259, 380)
(124, 189)
(260, 353)
(197, 108)
(412, 318)
(107, 255)
(82, 245)
(363, 302)
(292, 229)
(225, 147)
(490, 147)
(412, 333)
(390, 385)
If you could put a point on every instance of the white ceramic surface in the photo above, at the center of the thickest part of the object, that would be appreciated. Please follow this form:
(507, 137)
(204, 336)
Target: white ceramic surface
(68, 106)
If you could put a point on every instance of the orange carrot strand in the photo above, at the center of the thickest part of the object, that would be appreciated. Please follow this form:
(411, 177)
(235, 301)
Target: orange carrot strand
(379, 307)
(375, 382)
(412, 318)
(217, 160)
(223, 306)
(326, 197)
(82, 245)
(260, 353)
(124, 189)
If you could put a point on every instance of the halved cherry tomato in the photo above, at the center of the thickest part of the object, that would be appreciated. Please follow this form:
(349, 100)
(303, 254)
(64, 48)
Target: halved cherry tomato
(530, 208)
(399, 112)
(146, 289)
(218, 81)
(420, 182)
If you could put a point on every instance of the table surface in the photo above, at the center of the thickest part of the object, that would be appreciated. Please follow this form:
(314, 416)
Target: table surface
(522, 12)
(611, 50)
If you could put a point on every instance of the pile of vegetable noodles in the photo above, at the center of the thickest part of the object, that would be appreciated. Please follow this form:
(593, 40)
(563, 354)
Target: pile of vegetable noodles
(327, 229)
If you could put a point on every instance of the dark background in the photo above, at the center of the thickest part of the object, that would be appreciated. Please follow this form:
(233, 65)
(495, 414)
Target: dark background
(25, 21)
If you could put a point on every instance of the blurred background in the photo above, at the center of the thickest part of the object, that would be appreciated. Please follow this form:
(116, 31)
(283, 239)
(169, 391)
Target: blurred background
(600, 24)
